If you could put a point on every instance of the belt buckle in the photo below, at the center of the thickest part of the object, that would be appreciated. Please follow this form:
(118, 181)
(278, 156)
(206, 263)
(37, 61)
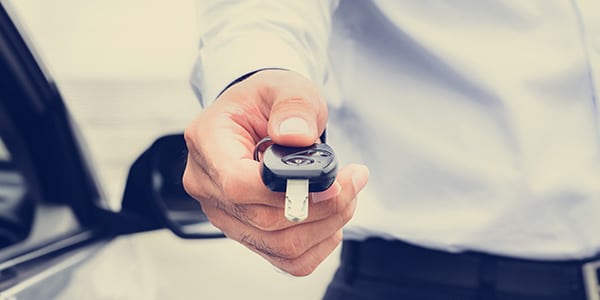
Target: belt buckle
(590, 279)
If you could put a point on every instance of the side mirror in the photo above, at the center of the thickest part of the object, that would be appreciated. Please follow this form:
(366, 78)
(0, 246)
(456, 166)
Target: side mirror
(154, 192)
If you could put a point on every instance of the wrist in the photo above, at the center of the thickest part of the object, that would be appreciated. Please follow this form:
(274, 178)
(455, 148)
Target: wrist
(246, 76)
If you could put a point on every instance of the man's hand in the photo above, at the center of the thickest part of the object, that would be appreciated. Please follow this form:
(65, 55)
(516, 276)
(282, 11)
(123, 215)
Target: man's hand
(222, 175)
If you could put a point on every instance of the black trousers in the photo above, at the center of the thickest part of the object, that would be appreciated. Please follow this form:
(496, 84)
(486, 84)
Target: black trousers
(380, 269)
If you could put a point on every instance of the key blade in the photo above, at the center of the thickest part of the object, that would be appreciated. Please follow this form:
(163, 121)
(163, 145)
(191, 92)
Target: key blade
(296, 200)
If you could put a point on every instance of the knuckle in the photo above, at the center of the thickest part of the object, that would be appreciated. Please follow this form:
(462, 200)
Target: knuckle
(295, 100)
(190, 184)
(264, 219)
(188, 135)
(186, 181)
(300, 268)
(305, 270)
(294, 103)
(286, 252)
(290, 247)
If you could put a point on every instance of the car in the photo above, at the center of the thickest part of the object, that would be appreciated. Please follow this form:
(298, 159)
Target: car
(60, 239)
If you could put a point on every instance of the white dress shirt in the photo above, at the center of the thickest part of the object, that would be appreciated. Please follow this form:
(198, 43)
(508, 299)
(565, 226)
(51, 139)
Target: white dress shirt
(478, 120)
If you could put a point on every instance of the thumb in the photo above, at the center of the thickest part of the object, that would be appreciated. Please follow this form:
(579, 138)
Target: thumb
(292, 129)
(297, 120)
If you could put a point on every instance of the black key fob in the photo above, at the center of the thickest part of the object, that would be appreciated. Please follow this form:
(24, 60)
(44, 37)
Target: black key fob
(316, 164)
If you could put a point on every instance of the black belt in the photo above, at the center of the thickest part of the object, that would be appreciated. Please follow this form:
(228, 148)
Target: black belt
(402, 263)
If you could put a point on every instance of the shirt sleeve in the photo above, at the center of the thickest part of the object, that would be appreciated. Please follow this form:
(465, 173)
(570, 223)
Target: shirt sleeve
(238, 37)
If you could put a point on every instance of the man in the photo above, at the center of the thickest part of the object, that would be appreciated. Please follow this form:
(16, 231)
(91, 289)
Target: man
(478, 121)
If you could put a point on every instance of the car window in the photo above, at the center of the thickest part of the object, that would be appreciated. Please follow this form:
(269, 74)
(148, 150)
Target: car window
(25, 220)
(123, 88)
(15, 209)
(4, 155)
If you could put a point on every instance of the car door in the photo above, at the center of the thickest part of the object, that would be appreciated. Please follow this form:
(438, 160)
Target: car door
(52, 214)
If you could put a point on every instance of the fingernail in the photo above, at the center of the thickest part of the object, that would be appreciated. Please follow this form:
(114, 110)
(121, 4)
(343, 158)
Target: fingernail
(331, 192)
(359, 178)
(293, 126)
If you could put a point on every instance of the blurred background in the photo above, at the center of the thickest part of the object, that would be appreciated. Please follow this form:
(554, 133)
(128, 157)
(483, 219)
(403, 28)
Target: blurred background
(123, 68)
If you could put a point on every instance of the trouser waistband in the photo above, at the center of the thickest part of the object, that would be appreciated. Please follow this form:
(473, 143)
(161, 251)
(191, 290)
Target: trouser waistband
(396, 261)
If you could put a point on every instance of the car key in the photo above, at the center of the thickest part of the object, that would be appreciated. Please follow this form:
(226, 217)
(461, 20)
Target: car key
(298, 171)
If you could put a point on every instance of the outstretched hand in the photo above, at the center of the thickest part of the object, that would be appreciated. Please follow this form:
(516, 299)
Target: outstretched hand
(223, 176)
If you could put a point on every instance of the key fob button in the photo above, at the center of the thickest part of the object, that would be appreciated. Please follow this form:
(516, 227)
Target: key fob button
(298, 160)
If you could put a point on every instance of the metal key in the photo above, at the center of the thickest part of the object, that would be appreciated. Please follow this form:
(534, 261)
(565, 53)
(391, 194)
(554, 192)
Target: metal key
(298, 171)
